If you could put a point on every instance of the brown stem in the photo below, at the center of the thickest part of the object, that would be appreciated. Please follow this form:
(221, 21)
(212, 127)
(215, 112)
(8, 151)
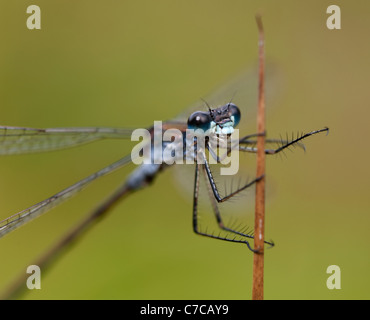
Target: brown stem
(259, 224)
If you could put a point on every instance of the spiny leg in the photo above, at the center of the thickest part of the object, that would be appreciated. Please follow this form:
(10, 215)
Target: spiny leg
(198, 168)
(214, 187)
(222, 225)
(285, 143)
(231, 146)
(244, 141)
(279, 142)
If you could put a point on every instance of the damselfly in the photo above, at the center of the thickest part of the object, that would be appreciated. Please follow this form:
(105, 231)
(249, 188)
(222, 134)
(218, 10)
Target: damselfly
(219, 120)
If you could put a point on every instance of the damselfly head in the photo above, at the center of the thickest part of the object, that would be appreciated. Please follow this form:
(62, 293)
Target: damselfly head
(221, 120)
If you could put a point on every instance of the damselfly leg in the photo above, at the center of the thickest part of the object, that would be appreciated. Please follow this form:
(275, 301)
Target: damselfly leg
(215, 196)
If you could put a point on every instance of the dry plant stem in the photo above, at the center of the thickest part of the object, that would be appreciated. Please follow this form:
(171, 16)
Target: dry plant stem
(50, 257)
(259, 222)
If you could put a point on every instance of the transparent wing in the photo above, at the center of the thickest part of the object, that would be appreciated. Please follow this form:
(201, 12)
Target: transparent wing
(24, 216)
(17, 140)
(241, 89)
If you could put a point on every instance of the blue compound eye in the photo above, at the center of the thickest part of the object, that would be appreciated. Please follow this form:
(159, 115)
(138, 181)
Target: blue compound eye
(199, 120)
(234, 113)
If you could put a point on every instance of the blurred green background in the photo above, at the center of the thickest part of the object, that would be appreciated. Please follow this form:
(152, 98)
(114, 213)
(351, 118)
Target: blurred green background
(125, 63)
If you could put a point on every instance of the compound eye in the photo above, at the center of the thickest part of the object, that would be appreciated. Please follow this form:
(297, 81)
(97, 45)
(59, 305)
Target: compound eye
(234, 113)
(199, 120)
